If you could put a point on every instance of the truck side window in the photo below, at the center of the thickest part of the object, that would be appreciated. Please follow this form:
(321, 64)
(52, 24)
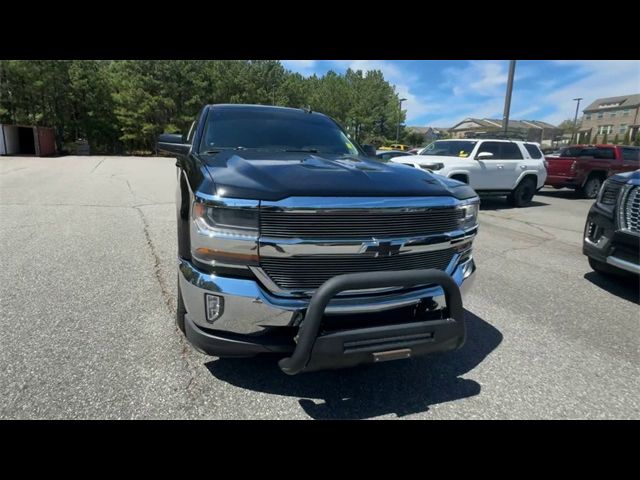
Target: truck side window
(605, 154)
(510, 151)
(631, 154)
(491, 147)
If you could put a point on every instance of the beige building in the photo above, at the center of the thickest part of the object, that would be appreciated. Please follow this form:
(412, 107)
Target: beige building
(611, 116)
(531, 130)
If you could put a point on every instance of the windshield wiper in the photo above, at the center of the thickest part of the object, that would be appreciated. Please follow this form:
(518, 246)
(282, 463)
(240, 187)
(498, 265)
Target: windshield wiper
(222, 149)
(302, 150)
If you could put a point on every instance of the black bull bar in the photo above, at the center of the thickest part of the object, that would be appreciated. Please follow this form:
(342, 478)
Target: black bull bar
(360, 345)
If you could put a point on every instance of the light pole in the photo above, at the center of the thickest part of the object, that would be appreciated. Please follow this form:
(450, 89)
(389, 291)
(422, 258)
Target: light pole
(507, 97)
(575, 119)
(399, 113)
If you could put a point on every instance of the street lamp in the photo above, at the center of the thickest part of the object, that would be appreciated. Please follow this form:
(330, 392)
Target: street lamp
(399, 113)
(575, 119)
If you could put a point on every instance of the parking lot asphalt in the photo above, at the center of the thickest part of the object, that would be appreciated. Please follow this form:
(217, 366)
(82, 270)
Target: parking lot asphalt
(87, 302)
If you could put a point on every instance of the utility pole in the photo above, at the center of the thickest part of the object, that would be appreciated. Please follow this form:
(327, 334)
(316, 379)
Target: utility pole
(507, 98)
(575, 119)
(399, 114)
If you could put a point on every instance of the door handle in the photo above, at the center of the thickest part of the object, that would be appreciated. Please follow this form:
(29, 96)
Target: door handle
(499, 166)
(523, 167)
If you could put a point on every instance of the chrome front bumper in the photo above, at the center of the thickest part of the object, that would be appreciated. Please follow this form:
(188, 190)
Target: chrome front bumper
(249, 308)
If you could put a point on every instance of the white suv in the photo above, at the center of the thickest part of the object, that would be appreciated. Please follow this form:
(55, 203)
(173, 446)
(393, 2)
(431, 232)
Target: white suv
(491, 166)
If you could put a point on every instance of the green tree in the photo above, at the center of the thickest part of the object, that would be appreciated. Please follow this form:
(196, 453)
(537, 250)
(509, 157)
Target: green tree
(414, 138)
(605, 138)
(125, 104)
(615, 139)
(626, 140)
(567, 125)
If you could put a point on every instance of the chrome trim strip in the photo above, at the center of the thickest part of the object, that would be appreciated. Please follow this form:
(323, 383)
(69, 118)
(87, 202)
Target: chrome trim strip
(379, 204)
(218, 201)
(624, 264)
(289, 247)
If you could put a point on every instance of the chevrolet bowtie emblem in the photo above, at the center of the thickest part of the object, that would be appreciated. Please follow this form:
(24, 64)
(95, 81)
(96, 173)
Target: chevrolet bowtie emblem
(382, 249)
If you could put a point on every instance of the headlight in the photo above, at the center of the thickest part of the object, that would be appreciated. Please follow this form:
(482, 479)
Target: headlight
(224, 236)
(469, 217)
(226, 222)
(432, 166)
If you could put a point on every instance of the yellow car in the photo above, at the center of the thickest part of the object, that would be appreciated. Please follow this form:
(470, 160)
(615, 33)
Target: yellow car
(396, 146)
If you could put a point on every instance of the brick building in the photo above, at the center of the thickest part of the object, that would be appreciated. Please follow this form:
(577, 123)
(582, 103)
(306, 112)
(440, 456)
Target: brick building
(611, 116)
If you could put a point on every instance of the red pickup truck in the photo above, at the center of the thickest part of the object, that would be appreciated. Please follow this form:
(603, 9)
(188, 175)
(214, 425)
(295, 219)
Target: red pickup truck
(585, 167)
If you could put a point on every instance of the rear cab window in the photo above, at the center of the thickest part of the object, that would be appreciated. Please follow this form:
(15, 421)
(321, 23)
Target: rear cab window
(631, 153)
(604, 153)
(533, 150)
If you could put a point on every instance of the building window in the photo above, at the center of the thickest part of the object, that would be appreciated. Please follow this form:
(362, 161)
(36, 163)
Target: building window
(612, 114)
(587, 117)
(605, 129)
(623, 128)
(600, 115)
(625, 112)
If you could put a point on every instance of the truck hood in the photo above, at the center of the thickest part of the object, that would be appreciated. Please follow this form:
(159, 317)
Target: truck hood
(276, 175)
(429, 159)
(627, 177)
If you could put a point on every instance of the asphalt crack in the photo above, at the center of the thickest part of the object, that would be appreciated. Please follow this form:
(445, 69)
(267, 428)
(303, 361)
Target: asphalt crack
(168, 298)
(164, 288)
(96, 167)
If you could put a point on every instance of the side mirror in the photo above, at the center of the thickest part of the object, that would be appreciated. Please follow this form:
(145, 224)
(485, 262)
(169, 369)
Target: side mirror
(369, 150)
(173, 143)
(484, 156)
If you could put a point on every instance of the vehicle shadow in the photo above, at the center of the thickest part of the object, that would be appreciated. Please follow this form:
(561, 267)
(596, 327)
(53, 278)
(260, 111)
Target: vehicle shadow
(626, 287)
(567, 193)
(500, 203)
(401, 387)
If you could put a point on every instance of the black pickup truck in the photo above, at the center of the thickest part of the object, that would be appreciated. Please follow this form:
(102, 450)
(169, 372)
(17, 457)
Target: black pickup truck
(291, 240)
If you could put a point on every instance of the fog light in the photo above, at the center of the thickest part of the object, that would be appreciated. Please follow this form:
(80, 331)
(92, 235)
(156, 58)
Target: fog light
(214, 306)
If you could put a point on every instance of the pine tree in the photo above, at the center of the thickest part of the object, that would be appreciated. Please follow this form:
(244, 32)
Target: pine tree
(615, 139)
(605, 139)
(626, 140)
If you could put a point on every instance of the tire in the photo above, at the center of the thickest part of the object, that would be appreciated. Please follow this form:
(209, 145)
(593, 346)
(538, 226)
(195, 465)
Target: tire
(180, 309)
(591, 187)
(523, 193)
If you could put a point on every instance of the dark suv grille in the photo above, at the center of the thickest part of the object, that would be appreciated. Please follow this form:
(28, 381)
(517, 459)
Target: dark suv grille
(309, 272)
(358, 224)
(632, 210)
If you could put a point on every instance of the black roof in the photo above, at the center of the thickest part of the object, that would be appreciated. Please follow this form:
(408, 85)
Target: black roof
(250, 107)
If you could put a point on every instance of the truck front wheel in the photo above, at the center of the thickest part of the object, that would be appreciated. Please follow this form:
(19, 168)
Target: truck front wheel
(523, 193)
(591, 187)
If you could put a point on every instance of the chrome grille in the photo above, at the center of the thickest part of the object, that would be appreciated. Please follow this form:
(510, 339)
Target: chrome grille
(358, 223)
(631, 215)
(309, 272)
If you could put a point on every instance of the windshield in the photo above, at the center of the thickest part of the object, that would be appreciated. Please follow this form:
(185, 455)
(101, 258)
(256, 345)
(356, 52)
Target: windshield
(275, 130)
(455, 148)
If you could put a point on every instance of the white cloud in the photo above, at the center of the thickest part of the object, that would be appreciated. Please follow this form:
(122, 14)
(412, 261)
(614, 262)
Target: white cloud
(599, 78)
(480, 77)
(304, 67)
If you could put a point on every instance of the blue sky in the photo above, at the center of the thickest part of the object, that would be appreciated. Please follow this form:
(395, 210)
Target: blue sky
(441, 93)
